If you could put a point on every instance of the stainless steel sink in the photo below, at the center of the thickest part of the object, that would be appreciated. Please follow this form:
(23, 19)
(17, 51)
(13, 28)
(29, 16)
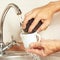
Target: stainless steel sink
(15, 55)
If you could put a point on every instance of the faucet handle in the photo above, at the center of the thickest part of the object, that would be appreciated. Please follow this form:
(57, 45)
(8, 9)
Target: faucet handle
(14, 42)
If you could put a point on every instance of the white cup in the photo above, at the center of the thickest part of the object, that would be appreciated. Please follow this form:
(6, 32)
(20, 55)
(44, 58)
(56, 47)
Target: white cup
(29, 38)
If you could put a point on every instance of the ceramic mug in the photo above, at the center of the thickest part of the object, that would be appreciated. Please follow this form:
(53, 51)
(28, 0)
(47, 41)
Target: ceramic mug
(27, 39)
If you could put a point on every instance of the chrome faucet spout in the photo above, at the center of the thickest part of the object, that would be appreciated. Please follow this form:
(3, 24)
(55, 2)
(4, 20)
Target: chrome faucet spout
(18, 12)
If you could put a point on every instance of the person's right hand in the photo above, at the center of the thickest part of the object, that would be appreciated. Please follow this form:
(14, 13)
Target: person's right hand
(44, 47)
(44, 14)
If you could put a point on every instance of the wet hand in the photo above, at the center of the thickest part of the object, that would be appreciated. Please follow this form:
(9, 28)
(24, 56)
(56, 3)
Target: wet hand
(45, 47)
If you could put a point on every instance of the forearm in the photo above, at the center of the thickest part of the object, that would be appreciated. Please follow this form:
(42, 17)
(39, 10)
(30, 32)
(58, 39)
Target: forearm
(57, 44)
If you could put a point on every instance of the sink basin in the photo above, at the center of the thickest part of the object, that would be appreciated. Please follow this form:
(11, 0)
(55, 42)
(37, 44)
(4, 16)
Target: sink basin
(16, 55)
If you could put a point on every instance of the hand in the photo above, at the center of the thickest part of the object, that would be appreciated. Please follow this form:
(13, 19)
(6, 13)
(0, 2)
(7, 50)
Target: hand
(45, 47)
(42, 13)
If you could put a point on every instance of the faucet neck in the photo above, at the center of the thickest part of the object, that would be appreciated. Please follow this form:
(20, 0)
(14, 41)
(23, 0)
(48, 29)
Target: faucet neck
(18, 12)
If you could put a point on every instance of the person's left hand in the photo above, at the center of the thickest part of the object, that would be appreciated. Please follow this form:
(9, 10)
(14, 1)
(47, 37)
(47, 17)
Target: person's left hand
(45, 47)
(43, 14)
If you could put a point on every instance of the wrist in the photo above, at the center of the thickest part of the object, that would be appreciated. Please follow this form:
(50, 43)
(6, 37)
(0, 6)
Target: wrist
(55, 6)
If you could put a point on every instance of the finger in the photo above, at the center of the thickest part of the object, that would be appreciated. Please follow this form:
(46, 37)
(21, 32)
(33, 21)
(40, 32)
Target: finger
(35, 51)
(35, 22)
(27, 18)
(35, 45)
(43, 26)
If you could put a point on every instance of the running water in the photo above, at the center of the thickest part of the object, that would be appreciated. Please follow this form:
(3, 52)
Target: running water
(21, 18)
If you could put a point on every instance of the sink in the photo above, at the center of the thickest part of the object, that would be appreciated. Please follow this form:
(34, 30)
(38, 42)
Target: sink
(16, 55)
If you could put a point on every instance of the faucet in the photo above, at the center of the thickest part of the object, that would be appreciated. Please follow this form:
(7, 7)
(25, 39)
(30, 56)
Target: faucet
(3, 47)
